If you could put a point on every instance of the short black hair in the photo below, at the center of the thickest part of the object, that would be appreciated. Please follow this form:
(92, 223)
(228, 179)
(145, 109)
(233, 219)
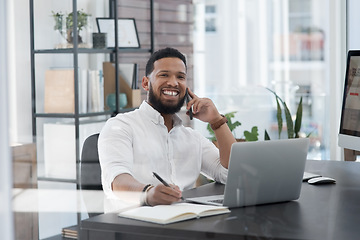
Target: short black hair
(163, 53)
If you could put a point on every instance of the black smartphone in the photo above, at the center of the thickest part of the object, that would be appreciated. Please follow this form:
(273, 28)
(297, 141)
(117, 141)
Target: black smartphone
(187, 100)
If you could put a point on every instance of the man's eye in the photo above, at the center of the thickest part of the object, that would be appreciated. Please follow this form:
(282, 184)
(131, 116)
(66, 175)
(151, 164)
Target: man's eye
(163, 75)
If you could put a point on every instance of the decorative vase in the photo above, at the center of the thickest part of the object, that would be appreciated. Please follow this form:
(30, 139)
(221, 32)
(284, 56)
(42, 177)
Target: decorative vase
(111, 101)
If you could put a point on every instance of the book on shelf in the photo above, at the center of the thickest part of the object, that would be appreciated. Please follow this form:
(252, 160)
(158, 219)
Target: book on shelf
(60, 95)
(165, 214)
(59, 91)
(95, 99)
(83, 90)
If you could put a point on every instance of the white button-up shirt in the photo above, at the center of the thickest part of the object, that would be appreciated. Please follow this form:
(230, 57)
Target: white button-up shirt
(138, 143)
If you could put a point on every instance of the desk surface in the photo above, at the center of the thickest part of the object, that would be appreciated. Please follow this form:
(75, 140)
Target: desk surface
(322, 212)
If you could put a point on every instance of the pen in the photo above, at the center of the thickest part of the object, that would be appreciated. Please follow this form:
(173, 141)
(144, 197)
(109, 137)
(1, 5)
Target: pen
(163, 182)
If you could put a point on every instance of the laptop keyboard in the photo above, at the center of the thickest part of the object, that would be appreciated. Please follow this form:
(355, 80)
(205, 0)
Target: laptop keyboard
(217, 201)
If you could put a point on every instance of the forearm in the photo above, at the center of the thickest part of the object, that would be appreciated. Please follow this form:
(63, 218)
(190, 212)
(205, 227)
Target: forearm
(205, 110)
(225, 139)
(126, 182)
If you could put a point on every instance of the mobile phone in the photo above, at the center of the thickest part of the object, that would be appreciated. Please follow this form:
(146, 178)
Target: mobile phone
(187, 100)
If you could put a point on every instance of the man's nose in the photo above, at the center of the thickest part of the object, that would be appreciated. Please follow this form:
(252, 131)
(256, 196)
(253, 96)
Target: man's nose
(172, 81)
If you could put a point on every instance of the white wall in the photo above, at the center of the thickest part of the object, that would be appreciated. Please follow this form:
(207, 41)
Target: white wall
(19, 73)
(6, 218)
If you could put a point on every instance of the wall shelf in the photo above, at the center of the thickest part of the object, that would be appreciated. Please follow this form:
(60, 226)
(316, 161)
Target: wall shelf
(89, 51)
(44, 58)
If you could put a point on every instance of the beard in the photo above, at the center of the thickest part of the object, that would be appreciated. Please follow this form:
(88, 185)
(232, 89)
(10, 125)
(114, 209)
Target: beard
(161, 107)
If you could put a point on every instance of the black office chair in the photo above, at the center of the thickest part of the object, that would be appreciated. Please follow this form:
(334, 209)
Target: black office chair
(90, 171)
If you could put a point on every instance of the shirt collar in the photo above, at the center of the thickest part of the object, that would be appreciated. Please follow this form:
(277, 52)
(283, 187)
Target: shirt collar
(155, 116)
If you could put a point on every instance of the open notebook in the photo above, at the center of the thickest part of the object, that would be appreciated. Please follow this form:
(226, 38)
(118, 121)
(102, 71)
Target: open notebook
(165, 214)
(262, 172)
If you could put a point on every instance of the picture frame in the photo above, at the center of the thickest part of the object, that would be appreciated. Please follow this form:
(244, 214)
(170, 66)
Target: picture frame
(127, 32)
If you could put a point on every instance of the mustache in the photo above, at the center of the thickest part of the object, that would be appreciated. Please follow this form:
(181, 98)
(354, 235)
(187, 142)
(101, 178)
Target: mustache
(161, 107)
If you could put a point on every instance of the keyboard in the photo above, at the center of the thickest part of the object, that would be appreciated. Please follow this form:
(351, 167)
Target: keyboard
(220, 201)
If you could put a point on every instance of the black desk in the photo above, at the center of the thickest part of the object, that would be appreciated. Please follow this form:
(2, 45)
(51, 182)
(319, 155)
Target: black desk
(322, 212)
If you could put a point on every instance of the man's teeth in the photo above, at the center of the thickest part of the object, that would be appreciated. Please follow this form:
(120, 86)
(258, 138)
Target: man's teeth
(171, 93)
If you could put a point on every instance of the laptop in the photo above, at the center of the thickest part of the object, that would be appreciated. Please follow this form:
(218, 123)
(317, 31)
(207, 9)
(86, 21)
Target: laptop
(262, 172)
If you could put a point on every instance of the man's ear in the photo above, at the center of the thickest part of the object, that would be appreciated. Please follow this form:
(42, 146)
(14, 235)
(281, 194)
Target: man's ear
(145, 83)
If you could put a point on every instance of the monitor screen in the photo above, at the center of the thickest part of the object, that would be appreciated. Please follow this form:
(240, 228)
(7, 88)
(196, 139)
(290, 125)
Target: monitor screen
(349, 135)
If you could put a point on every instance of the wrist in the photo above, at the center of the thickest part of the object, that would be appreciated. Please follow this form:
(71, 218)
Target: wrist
(144, 195)
(216, 119)
(218, 123)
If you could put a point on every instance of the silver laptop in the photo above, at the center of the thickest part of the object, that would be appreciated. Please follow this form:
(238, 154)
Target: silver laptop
(262, 172)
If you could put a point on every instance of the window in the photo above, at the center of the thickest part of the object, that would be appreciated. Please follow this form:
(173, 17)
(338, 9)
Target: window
(259, 44)
(210, 18)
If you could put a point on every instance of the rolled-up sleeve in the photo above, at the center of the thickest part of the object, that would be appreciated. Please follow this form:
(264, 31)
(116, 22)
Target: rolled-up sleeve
(211, 165)
(115, 152)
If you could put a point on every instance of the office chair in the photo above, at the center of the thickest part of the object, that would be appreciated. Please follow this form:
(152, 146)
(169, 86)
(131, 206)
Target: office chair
(90, 171)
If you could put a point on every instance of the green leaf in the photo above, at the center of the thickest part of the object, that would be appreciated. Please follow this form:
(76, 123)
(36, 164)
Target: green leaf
(279, 111)
(58, 18)
(267, 137)
(289, 122)
(81, 18)
(279, 116)
(298, 119)
(232, 125)
(230, 115)
(251, 136)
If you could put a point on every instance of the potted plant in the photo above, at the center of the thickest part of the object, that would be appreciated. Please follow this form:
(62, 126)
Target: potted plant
(293, 128)
(64, 23)
(248, 136)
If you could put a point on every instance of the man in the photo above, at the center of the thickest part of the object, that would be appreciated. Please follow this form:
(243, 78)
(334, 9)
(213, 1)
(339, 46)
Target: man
(152, 138)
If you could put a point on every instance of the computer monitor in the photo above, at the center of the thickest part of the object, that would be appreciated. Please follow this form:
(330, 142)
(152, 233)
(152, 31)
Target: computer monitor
(349, 134)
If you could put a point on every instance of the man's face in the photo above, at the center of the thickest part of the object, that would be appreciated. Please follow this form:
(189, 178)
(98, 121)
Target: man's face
(166, 85)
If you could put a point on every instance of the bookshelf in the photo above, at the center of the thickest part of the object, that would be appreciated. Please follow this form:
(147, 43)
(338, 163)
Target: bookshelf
(59, 133)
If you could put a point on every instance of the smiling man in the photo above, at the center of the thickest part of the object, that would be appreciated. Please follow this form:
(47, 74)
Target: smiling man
(152, 138)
